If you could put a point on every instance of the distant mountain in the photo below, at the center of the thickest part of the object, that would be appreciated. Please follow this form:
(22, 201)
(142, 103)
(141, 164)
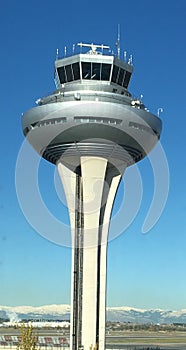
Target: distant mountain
(115, 314)
(46, 312)
(129, 314)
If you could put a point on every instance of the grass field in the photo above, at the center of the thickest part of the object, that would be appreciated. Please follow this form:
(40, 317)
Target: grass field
(147, 338)
(125, 339)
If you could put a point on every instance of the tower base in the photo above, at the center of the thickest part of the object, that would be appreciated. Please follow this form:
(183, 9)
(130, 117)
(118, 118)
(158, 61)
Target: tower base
(90, 192)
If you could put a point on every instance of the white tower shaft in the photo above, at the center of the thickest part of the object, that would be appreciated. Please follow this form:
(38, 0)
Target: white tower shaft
(90, 195)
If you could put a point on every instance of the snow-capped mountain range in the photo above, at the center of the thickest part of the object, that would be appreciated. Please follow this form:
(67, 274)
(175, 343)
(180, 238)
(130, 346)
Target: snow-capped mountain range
(116, 314)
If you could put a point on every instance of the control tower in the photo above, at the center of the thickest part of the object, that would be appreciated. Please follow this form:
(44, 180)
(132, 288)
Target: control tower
(92, 129)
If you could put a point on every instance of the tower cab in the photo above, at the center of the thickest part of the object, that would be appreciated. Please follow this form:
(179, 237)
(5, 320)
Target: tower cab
(92, 100)
(93, 67)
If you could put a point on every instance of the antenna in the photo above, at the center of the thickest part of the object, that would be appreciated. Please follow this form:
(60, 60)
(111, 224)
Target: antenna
(160, 110)
(118, 42)
(57, 52)
(94, 47)
(130, 60)
(125, 56)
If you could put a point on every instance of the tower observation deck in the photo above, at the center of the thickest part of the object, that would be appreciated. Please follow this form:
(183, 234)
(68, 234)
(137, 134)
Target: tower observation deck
(91, 128)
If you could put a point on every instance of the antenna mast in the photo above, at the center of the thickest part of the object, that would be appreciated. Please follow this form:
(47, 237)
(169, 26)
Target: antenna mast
(118, 42)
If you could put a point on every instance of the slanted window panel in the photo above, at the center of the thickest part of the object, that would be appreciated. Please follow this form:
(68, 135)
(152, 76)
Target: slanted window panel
(68, 70)
(115, 74)
(76, 71)
(86, 70)
(105, 71)
(95, 74)
(127, 79)
(121, 75)
(62, 75)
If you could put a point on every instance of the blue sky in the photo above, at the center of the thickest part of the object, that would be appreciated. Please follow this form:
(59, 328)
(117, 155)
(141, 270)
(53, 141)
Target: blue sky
(144, 270)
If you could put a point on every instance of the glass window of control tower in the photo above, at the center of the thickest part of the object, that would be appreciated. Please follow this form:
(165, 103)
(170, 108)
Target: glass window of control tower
(127, 79)
(68, 70)
(105, 71)
(76, 70)
(86, 70)
(95, 71)
(120, 76)
(69, 73)
(61, 74)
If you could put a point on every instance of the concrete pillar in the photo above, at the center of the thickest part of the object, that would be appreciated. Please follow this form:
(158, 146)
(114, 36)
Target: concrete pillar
(90, 195)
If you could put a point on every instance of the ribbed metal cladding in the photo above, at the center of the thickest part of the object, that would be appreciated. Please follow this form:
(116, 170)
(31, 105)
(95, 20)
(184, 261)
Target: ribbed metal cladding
(123, 153)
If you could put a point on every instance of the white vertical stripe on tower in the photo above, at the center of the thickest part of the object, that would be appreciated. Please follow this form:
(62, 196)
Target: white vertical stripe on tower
(93, 176)
(103, 259)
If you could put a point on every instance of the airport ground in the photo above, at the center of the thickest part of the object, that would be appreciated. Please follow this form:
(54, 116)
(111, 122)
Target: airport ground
(125, 340)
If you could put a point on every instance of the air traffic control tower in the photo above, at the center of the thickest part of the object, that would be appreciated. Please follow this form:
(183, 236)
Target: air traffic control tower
(91, 128)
